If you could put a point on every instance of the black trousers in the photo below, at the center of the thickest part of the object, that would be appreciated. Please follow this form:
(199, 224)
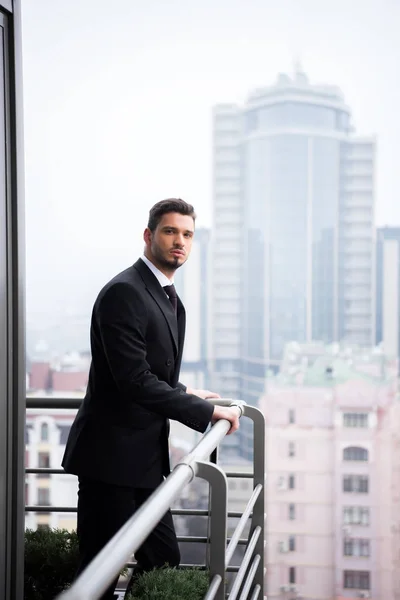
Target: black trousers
(103, 509)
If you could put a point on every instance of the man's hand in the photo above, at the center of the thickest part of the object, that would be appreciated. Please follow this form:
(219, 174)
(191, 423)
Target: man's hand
(204, 394)
(230, 413)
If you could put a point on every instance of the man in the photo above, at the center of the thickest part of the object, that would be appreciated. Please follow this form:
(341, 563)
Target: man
(118, 443)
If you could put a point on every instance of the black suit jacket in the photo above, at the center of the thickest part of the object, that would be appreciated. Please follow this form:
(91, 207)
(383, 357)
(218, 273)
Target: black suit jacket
(120, 433)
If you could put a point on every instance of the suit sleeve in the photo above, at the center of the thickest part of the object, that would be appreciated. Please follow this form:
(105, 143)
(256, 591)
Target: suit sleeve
(122, 320)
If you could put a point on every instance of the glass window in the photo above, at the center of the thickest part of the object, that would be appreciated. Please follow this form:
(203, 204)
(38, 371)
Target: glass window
(355, 420)
(356, 483)
(44, 432)
(292, 482)
(292, 543)
(355, 453)
(364, 547)
(362, 484)
(292, 416)
(348, 547)
(292, 574)
(356, 547)
(347, 483)
(43, 497)
(357, 580)
(292, 449)
(364, 516)
(356, 515)
(292, 512)
(44, 460)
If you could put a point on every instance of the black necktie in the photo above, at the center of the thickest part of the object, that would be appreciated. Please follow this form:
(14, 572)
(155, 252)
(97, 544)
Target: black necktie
(172, 295)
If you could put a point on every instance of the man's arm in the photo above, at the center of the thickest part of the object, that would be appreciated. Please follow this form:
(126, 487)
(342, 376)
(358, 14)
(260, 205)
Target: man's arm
(205, 394)
(122, 319)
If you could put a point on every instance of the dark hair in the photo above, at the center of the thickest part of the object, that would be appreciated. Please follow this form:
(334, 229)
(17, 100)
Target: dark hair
(171, 205)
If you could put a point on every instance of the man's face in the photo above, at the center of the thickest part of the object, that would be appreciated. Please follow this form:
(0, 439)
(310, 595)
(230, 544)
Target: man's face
(170, 244)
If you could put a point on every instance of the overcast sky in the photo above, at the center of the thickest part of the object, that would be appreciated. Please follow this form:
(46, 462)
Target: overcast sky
(118, 102)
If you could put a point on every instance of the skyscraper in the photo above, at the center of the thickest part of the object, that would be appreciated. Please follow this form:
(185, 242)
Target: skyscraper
(388, 290)
(191, 282)
(293, 233)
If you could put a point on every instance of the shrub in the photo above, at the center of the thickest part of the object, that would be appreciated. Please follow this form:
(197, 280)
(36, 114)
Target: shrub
(171, 584)
(51, 560)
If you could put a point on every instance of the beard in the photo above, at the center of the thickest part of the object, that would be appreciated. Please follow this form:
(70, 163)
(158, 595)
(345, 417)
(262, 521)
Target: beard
(168, 262)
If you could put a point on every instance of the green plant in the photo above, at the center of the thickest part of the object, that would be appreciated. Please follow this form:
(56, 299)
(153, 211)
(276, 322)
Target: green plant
(51, 559)
(171, 584)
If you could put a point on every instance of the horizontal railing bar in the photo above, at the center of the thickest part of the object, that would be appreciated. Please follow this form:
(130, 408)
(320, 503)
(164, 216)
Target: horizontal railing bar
(250, 577)
(52, 403)
(245, 563)
(50, 471)
(256, 592)
(51, 509)
(101, 571)
(242, 524)
(44, 471)
(214, 587)
(189, 512)
(231, 569)
(203, 540)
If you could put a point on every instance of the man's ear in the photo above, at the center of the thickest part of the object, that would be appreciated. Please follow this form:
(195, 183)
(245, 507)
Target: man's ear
(147, 236)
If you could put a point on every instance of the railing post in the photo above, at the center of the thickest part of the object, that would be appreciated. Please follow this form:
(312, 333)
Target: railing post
(218, 520)
(259, 478)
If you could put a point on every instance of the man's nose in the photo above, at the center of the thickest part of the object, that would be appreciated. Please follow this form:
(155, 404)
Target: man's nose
(179, 240)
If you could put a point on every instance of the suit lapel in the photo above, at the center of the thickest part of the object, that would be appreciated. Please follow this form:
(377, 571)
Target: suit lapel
(160, 297)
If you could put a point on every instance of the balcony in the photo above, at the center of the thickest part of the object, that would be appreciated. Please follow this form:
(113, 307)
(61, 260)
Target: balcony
(202, 462)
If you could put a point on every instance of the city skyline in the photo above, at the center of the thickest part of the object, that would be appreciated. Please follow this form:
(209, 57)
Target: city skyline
(99, 132)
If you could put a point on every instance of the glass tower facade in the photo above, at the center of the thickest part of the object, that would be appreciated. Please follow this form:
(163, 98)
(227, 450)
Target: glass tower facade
(303, 186)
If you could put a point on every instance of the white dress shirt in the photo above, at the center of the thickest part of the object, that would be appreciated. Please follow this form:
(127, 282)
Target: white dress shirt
(161, 278)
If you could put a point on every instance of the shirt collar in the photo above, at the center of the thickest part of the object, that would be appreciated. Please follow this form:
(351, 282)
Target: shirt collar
(161, 278)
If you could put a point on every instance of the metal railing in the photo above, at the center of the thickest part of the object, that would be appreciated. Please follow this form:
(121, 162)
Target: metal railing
(249, 580)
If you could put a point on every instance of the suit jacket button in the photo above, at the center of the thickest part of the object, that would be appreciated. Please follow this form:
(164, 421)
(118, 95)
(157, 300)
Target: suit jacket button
(169, 362)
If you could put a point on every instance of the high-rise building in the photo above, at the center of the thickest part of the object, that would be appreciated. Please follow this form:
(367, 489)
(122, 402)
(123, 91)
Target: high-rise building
(333, 475)
(388, 289)
(293, 233)
(191, 282)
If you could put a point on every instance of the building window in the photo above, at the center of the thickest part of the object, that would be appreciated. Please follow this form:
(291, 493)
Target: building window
(292, 543)
(292, 574)
(356, 515)
(43, 463)
(355, 453)
(44, 526)
(356, 483)
(43, 497)
(44, 432)
(292, 482)
(44, 460)
(292, 512)
(356, 547)
(292, 449)
(292, 416)
(355, 420)
(357, 580)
